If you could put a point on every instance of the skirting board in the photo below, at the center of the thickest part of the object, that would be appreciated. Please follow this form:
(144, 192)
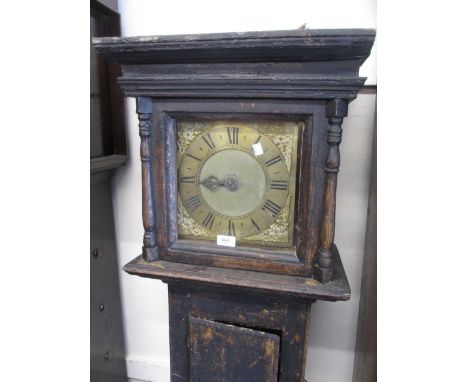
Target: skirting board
(148, 370)
(134, 370)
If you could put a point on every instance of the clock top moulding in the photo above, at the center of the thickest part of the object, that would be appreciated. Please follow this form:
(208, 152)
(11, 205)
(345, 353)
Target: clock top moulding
(275, 67)
(297, 64)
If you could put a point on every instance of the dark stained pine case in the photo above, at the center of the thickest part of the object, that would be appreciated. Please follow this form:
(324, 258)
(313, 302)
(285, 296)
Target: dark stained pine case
(249, 302)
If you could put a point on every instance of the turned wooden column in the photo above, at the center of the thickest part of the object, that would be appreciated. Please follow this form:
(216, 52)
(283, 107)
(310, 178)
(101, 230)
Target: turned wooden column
(144, 110)
(336, 110)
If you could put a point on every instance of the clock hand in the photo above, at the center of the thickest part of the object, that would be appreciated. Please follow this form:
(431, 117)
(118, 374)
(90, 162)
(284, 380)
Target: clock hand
(231, 183)
(212, 183)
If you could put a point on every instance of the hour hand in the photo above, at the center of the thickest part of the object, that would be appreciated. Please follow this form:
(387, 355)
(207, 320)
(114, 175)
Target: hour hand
(212, 183)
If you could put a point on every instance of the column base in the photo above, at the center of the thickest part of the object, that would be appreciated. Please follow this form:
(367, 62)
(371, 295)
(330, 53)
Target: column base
(150, 254)
(324, 275)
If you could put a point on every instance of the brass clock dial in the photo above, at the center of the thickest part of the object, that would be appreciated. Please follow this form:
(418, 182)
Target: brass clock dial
(226, 187)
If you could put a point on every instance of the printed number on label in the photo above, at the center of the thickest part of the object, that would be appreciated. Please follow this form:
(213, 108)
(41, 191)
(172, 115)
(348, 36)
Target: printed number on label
(228, 241)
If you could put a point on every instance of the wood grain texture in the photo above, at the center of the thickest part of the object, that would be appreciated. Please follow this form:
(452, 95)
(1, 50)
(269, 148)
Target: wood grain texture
(336, 110)
(105, 163)
(213, 314)
(297, 64)
(107, 113)
(178, 334)
(266, 88)
(247, 281)
(166, 114)
(144, 110)
(287, 75)
(236, 300)
(228, 353)
(269, 46)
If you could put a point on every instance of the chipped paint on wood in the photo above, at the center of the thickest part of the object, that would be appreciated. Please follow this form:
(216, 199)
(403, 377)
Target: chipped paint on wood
(228, 336)
(228, 353)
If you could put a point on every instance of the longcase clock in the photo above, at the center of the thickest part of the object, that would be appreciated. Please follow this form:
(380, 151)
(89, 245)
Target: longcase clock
(240, 137)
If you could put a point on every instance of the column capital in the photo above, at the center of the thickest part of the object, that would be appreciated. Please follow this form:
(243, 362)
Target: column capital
(144, 105)
(337, 107)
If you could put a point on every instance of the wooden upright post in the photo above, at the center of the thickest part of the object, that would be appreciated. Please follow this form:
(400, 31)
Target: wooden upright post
(144, 110)
(336, 110)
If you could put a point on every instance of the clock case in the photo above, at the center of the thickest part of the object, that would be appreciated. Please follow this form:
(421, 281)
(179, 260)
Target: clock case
(307, 76)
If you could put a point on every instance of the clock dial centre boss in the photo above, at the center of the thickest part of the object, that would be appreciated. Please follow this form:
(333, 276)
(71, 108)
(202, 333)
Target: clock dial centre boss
(237, 179)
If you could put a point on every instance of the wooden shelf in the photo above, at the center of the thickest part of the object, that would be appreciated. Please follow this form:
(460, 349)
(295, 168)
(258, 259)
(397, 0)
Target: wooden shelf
(107, 163)
(336, 290)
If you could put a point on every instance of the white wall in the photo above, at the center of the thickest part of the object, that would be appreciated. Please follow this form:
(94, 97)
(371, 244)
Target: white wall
(333, 331)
